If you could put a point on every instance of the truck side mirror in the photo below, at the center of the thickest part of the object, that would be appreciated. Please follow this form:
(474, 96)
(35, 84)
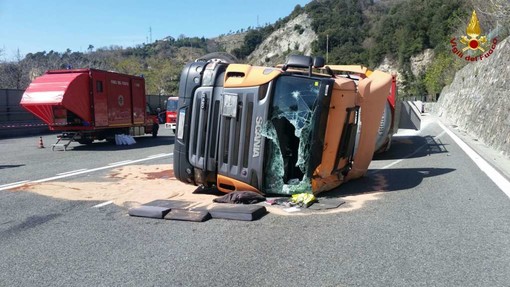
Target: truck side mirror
(298, 61)
(318, 62)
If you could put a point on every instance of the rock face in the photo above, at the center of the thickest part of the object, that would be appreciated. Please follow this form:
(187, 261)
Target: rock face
(297, 35)
(228, 43)
(420, 62)
(478, 99)
(391, 66)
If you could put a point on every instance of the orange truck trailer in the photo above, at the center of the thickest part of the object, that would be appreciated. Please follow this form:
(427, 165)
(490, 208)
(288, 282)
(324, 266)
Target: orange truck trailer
(298, 127)
(90, 104)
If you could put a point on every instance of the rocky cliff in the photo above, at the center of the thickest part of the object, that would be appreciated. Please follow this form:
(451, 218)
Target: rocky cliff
(295, 37)
(478, 99)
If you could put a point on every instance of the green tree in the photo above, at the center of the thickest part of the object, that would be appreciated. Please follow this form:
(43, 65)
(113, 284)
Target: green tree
(162, 76)
(130, 65)
(340, 27)
(441, 72)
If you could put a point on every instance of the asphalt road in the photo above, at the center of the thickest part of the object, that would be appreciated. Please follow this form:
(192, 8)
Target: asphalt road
(439, 221)
(22, 159)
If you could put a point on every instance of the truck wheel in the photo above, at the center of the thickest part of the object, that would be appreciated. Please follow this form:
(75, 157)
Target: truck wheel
(218, 56)
(155, 129)
(383, 137)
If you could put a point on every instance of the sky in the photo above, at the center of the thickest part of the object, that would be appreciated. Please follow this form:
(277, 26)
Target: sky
(30, 26)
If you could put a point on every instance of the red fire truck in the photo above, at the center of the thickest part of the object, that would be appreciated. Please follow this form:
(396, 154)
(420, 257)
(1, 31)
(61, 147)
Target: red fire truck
(89, 104)
(171, 113)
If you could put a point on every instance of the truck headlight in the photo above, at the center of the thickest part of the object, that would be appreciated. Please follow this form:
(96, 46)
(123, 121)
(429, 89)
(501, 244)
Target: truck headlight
(180, 123)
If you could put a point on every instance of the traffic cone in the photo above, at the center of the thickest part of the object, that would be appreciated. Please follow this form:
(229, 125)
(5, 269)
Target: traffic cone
(41, 145)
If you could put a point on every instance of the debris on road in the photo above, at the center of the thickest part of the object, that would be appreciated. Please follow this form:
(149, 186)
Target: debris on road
(135, 185)
(188, 215)
(183, 210)
(149, 211)
(244, 197)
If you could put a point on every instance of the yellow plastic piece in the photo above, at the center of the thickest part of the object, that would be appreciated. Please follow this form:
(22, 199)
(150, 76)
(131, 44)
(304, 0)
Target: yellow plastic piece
(303, 199)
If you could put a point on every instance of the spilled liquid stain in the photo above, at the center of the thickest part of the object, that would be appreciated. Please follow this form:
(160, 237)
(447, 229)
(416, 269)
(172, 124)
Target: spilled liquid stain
(164, 174)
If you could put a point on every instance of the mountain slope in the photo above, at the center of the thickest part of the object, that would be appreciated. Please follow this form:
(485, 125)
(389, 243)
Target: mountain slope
(296, 36)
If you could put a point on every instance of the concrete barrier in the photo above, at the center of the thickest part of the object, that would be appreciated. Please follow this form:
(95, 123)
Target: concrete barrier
(478, 99)
(410, 116)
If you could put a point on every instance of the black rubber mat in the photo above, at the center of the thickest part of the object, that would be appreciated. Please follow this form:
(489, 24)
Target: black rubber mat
(188, 215)
(238, 211)
(149, 211)
(172, 204)
(326, 203)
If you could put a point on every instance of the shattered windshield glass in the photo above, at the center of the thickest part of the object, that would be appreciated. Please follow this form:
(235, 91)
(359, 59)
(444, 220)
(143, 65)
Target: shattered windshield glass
(288, 130)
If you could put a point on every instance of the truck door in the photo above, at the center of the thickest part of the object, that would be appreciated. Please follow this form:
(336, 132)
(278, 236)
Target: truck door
(119, 100)
(100, 99)
(138, 100)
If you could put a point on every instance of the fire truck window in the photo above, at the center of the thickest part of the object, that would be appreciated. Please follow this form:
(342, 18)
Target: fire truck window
(99, 86)
(289, 132)
(171, 105)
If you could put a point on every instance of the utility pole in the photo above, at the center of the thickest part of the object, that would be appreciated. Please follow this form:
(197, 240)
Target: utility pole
(327, 48)
(150, 34)
(190, 49)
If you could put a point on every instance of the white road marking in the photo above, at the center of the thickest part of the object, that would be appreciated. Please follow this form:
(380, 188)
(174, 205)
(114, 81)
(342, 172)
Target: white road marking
(72, 171)
(13, 185)
(407, 156)
(120, 162)
(102, 204)
(78, 172)
(491, 172)
(156, 155)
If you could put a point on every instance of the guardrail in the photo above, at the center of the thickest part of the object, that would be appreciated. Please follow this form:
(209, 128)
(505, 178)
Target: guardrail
(19, 129)
(14, 120)
(410, 117)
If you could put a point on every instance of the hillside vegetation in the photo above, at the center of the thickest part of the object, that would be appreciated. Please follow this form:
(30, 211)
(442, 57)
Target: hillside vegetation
(364, 32)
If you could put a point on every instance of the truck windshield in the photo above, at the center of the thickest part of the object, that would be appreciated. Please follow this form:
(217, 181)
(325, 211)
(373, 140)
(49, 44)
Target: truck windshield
(171, 105)
(288, 131)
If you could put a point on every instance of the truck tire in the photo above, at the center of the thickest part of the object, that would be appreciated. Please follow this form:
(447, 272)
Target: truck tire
(155, 129)
(383, 137)
(218, 56)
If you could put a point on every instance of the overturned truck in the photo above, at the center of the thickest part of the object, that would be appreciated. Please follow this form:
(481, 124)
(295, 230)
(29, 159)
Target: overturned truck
(90, 104)
(298, 127)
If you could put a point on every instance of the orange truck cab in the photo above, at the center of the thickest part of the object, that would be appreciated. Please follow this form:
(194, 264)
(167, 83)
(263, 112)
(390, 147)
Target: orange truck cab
(298, 127)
